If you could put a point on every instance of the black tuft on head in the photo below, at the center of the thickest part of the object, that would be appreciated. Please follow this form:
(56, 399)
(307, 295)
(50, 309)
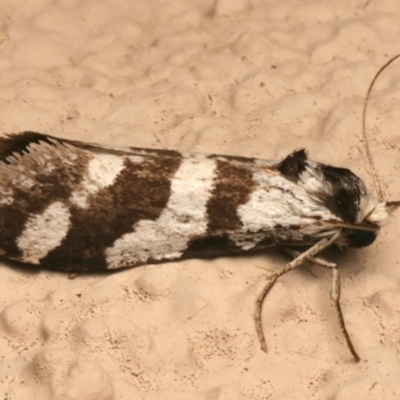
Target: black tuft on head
(346, 190)
(360, 238)
(293, 165)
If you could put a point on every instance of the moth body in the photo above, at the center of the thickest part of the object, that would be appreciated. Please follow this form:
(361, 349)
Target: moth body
(74, 206)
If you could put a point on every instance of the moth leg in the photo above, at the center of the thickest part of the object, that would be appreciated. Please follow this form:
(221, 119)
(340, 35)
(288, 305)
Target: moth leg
(258, 311)
(299, 260)
(315, 260)
(335, 296)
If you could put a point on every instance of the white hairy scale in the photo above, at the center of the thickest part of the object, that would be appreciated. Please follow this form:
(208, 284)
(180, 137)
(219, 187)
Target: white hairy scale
(377, 213)
(278, 201)
(183, 218)
(44, 232)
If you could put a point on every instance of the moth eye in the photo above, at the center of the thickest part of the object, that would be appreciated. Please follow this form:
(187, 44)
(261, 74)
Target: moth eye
(360, 238)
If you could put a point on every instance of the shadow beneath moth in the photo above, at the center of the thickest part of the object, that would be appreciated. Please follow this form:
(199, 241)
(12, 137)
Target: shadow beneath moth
(77, 207)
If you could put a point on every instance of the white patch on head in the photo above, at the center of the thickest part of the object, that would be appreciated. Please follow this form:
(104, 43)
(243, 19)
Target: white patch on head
(370, 210)
(44, 232)
(311, 179)
(375, 213)
(183, 218)
(102, 170)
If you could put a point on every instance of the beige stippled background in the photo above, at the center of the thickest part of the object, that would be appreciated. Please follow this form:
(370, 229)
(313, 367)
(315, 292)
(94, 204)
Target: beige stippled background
(241, 77)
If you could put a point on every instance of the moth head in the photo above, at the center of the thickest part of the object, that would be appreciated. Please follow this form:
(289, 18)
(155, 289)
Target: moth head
(341, 192)
(364, 233)
(362, 214)
(348, 198)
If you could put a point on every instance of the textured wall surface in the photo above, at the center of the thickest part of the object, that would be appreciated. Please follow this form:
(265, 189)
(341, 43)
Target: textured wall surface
(241, 77)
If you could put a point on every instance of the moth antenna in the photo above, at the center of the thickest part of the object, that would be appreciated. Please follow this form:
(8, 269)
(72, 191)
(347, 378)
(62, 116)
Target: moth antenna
(364, 133)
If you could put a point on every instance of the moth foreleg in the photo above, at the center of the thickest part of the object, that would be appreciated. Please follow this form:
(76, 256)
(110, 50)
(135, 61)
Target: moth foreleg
(335, 296)
(299, 260)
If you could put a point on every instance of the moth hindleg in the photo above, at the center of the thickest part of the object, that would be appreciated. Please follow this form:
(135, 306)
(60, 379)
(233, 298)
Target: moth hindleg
(299, 260)
(335, 296)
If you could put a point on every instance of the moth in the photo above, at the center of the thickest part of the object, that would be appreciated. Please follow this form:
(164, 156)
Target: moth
(80, 207)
